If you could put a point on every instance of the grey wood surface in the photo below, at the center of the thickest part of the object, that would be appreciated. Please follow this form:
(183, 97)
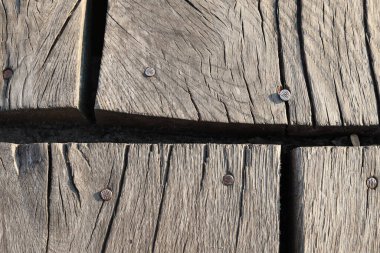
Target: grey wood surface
(221, 62)
(24, 171)
(166, 198)
(335, 210)
(173, 200)
(337, 63)
(41, 41)
(215, 61)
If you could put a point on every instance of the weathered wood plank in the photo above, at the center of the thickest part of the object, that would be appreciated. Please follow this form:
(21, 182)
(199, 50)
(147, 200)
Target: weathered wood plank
(337, 63)
(79, 219)
(300, 113)
(41, 42)
(173, 200)
(335, 210)
(215, 62)
(24, 194)
(372, 8)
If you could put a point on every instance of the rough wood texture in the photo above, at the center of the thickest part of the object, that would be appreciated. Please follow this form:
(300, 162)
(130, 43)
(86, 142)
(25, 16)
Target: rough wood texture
(337, 63)
(41, 41)
(78, 217)
(24, 193)
(165, 198)
(173, 200)
(300, 113)
(215, 61)
(335, 211)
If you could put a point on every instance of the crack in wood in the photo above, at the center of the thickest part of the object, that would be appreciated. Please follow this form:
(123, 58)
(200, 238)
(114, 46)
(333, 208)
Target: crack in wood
(115, 209)
(70, 173)
(165, 182)
(304, 63)
(370, 56)
(246, 156)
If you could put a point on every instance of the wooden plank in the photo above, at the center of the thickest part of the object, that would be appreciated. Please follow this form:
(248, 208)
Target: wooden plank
(41, 42)
(337, 63)
(215, 62)
(300, 113)
(24, 194)
(335, 210)
(78, 217)
(173, 200)
(372, 8)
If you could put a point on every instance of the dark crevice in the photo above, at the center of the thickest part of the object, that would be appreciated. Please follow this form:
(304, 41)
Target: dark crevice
(49, 187)
(93, 42)
(204, 164)
(116, 207)
(193, 6)
(370, 56)
(70, 173)
(281, 61)
(165, 182)
(246, 158)
(287, 202)
(304, 62)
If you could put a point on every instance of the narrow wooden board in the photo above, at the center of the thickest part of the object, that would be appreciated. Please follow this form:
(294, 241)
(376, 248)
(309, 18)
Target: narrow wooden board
(41, 41)
(335, 210)
(173, 199)
(24, 197)
(372, 8)
(337, 63)
(215, 61)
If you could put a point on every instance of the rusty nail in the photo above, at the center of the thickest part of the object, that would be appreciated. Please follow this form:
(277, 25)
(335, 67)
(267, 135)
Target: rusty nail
(106, 194)
(7, 73)
(228, 179)
(285, 95)
(372, 183)
(149, 72)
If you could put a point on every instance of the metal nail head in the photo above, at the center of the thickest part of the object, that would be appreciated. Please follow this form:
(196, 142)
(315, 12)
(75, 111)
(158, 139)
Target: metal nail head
(372, 183)
(285, 95)
(106, 194)
(7, 73)
(228, 179)
(149, 72)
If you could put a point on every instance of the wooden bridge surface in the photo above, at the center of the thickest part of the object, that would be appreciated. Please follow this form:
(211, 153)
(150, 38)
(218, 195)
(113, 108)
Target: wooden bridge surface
(219, 64)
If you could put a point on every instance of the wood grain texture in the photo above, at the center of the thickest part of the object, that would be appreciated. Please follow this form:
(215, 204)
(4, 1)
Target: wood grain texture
(335, 211)
(300, 110)
(173, 200)
(337, 63)
(372, 8)
(24, 197)
(79, 219)
(215, 61)
(41, 41)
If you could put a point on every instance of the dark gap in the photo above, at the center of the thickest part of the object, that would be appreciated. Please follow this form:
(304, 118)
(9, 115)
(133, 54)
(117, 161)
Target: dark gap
(165, 182)
(281, 57)
(287, 202)
(50, 178)
(370, 57)
(93, 41)
(304, 63)
(70, 173)
(115, 209)
(244, 181)
(205, 161)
